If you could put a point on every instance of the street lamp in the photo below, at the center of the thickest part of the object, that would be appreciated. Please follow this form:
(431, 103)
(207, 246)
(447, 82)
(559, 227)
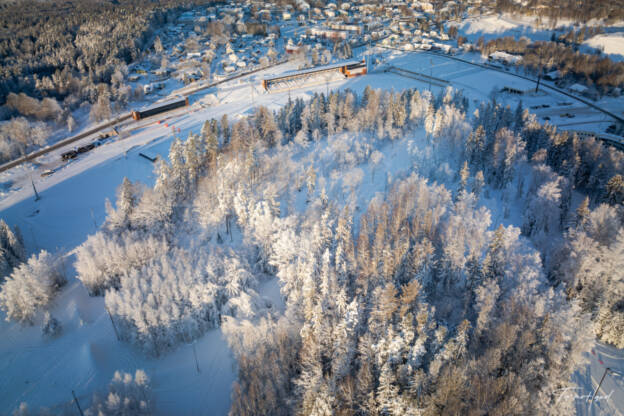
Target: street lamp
(602, 379)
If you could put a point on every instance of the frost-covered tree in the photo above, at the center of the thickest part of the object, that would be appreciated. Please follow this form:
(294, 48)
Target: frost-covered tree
(12, 250)
(206, 286)
(119, 220)
(615, 190)
(127, 395)
(101, 110)
(225, 129)
(414, 304)
(71, 123)
(31, 287)
(464, 175)
(267, 127)
(101, 261)
(51, 326)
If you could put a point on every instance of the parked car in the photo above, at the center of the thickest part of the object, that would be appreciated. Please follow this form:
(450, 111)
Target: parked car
(72, 154)
(85, 148)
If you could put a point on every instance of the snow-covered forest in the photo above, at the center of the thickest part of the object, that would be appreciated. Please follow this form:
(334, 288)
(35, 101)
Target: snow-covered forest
(311, 207)
(432, 260)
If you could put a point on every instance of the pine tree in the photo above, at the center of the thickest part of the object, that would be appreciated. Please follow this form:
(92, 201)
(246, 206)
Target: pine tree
(464, 175)
(205, 130)
(71, 123)
(615, 190)
(267, 127)
(162, 173)
(193, 154)
(310, 181)
(126, 200)
(519, 118)
(30, 287)
(387, 392)
(582, 213)
(225, 129)
(12, 251)
(211, 146)
(178, 172)
(478, 147)
(214, 127)
(494, 263)
(478, 183)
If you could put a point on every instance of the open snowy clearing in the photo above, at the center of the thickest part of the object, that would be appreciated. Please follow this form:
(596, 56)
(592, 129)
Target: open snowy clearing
(43, 373)
(495, 26)
(84, 358)
(492, 26)
(481, 84)
(612, 44)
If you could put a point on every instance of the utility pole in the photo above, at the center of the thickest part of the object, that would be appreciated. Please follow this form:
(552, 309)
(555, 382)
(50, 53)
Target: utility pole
(112, 322)
(77, 404)
(599, 384)
(430, 72)
(37, 197)
(196, 362)
(607, 370)
(368, 57)
(93, 218)
(252, 92)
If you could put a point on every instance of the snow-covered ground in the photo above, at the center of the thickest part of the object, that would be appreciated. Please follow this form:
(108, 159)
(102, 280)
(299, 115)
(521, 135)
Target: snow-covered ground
(609, 399)
(492, 26)
(611, 44)
(43, 372)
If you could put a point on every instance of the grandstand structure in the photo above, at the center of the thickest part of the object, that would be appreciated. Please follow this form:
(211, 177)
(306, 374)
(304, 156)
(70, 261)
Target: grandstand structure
(609, 139)
(316, 75)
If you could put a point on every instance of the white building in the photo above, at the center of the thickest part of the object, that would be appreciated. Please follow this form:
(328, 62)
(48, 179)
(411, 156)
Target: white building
(505, 57)
(578, 88)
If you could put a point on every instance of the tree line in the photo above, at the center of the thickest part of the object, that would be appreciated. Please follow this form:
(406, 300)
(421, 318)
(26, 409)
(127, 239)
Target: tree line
(555, 11)
(540, 57)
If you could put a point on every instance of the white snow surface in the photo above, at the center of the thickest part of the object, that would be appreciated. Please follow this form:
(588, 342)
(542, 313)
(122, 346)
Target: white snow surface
(44, 372)
(499, 25)
(487, 24)
(612, 44)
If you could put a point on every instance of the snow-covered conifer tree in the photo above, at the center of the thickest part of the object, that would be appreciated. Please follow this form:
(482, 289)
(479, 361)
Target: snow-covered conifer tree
(30, 287)
(12, 250)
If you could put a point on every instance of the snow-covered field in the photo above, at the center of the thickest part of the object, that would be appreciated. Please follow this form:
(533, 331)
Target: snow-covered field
(495, 26)
(611, 44)
(44, 372)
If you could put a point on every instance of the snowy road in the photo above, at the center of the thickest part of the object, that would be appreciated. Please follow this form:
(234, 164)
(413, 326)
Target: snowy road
(610, 399)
